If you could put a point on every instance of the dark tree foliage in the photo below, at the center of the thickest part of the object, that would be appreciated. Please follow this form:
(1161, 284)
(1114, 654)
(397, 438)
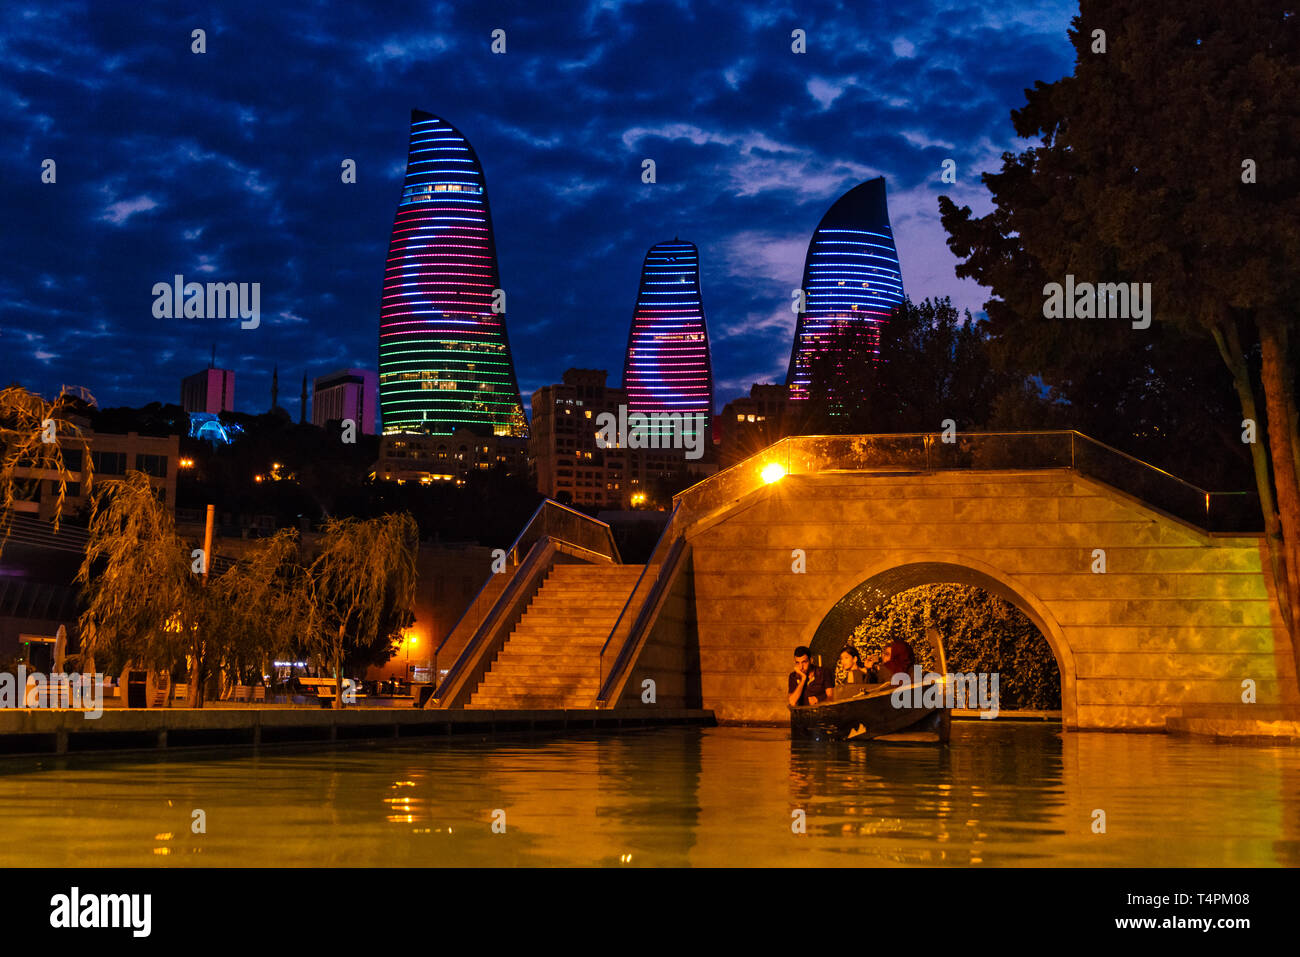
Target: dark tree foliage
(933, 365)
(491, 507)
(326, 471)
(981, 633)
(156, 418)
(1170, 157)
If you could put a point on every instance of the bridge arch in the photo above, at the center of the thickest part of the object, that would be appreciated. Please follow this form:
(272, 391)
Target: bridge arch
(855, 595)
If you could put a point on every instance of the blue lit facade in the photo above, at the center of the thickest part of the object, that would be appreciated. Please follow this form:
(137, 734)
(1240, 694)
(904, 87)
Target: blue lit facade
(444, 357)
(667, 367)
(851, 277)
(208, 426)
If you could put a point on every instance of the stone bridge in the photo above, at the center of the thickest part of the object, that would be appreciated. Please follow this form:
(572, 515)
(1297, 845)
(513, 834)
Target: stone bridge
(756, 559)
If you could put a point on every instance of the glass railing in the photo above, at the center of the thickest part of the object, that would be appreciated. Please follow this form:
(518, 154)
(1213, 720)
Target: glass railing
(564, 524)
(614, 653)
(1010, 451)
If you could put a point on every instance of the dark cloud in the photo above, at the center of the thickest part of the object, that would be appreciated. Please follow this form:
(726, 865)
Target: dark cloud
(225, 167)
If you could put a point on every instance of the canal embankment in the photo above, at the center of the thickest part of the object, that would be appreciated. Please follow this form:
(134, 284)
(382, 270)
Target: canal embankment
(28, 731)
(1244, 724)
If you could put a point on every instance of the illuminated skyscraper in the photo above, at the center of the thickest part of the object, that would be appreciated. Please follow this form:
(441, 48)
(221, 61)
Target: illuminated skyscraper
(444, 358)
(667, 367)
(850, 276)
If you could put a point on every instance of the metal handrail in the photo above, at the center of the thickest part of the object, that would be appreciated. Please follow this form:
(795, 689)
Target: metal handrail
(666, 570)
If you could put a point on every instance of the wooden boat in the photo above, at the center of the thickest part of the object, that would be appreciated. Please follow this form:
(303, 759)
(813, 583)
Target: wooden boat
(870, 714)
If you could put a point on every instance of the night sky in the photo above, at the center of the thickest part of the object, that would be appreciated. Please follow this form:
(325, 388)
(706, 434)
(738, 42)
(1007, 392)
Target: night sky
(225, 166)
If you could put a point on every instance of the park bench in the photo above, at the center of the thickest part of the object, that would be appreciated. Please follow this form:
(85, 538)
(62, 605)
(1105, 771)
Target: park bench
(325, 689)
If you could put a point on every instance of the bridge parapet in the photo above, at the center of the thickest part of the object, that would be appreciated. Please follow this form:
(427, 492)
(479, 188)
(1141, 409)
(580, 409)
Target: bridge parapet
(984, 451)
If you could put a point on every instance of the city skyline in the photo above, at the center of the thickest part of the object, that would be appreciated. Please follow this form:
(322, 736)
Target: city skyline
(751, 140)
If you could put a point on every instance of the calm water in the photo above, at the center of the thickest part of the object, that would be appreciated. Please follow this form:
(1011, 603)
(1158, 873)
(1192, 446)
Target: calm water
(1000, 794)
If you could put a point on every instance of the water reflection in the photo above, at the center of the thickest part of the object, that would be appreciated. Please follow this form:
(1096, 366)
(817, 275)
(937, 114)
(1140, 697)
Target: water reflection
(1000, 794)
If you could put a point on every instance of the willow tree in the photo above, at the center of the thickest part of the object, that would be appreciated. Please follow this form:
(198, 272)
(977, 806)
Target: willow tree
(258, 606)
(34, 435)
(366, 570)
(1171, 156)
(144, 599)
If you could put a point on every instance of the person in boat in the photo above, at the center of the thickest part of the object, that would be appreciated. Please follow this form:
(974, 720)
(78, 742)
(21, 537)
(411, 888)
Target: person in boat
(897, 657)
(851, 665)
(808, 684)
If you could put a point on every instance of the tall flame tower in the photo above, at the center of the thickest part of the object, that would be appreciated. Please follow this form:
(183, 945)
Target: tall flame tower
(667, 367)
(444, 357)
(851, 279)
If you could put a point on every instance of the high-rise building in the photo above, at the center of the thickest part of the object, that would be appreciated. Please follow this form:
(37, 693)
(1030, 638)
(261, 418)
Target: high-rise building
(577, 466)
(667, 368)
(212, 390)
(345, 394)
(851, 279)
(444, 358)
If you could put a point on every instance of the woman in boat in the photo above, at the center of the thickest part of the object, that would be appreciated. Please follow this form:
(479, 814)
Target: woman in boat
(851, 665)
(898, 657)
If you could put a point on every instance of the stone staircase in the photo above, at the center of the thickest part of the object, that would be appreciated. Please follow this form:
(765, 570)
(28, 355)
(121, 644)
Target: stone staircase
(552, 658)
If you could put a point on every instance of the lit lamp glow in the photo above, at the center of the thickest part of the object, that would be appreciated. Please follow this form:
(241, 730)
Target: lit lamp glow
(772, 472)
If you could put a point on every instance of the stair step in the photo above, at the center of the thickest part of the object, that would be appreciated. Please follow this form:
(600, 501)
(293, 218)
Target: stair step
(571, 621)
(552, 660)
(581, 607)
(538, 644)
(535, 704)
(521, 682)
(582, 569)
(578, 599)
(522, 678)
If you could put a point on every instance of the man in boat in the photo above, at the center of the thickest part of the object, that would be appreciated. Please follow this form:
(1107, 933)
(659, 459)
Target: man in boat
(808, 683)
